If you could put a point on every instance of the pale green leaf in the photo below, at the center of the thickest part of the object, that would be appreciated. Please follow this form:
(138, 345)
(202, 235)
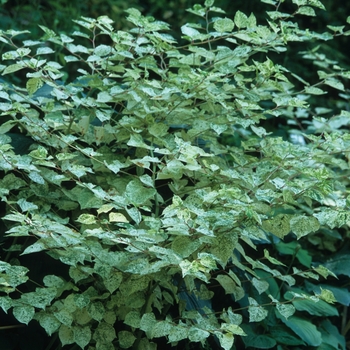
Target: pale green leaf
(241, 20)
(306, 11)
(327, 296)
(325, 272)
(26, 206)
(117, 217)
(197, 334)
(314, 90)
(278, 225)
(256, 312)
(302, 225)
(147, 322)
(82, 335)
(137, 193)
(33, 85)
(225, 339)
(87, 219)
(41, 298)
(5, 303)
(48, 322)
(232, 328)
(335, 83)
(36, 177)
(64, 316)
(224, 25)
(178, 333)
(260, 285)
(66, 335)
(286, 310)
(24, 313)
(44, 50)
(332, 218)
(12, 68)
(161, 329)
(113, 280)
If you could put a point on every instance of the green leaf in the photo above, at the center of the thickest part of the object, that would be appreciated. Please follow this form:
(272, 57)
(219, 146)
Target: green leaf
(224, 25)
(133, 319)
(286, 310)
(82, 335)
(161, 329)
(302, 225)
(192, 33)
(53, 281)
(271, 259)
(256, 312)
(65, 317)
(306, 11)
(185, 246)
(209, 3)
(36, 177)
(24, 313)
(294, 248)
(304, 329)
(327, 295)
(26, 206)
(197, 335)
(86, 219)
(284, 336)
(66, 335)
(41, 298)
(259, 341)
(314, 90)
(335, 83)
(178, 333)
(12, 68)
(48, 322)
(104, 333)
(260, 285)
(241, 20)
(126, 339)
(315, 3)
(148, 321)
(332, 218)
(13, 276)
(225, 339)
(279, 225)
(44, 50)
(314, 306)
(33, 85)
(5, 303)
(137, 193)
(96, 310)
(230, 286)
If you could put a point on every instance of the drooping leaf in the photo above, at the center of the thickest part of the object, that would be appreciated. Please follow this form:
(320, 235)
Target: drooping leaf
(304, 329)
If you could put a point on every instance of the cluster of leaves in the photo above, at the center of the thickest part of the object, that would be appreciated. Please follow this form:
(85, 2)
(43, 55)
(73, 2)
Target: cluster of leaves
(162, 230)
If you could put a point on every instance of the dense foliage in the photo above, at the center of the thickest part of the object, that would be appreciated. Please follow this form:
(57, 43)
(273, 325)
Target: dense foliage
(177, 193)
